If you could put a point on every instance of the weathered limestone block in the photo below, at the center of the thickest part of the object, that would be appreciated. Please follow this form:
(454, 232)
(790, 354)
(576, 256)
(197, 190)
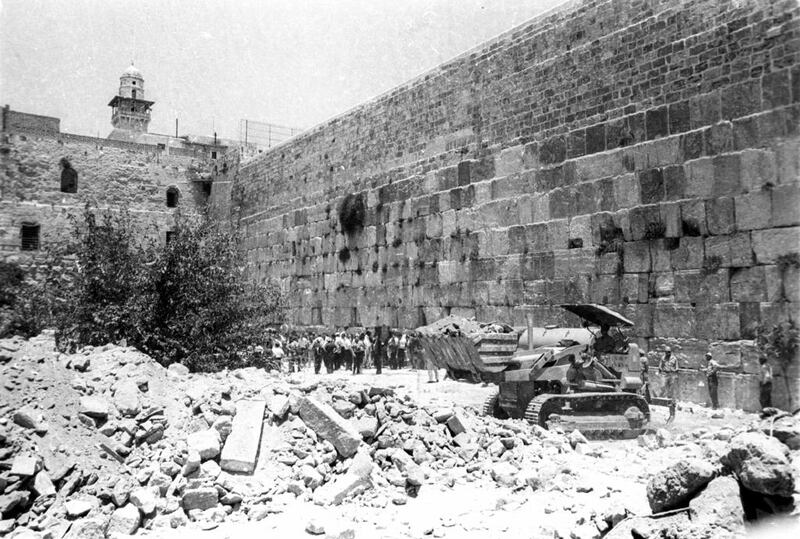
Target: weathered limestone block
(753, 210)
(241, 448)
(626, 191)
(719, 505)
(758, 169)
(689, 254)
(733, 250)
(748, 284)
(329, 425)
(700, 178)
(701, 287)
(675, 485)
(693, 218)
(720, 321)
(785, 205)
(509, 161)
(642, 218)
(660, 255)
(636, 256)
(727, 175)
(674, 320)
(769, 244)
(580, 229)
(720, 216)
(761, 464)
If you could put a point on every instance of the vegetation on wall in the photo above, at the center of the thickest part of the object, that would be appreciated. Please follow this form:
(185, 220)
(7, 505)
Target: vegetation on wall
(352, 213)
(187, 301)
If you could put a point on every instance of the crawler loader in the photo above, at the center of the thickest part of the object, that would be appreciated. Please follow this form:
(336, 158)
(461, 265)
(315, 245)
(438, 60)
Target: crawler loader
(547, 382)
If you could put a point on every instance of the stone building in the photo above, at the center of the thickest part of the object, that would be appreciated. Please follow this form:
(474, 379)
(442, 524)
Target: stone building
(49, 175)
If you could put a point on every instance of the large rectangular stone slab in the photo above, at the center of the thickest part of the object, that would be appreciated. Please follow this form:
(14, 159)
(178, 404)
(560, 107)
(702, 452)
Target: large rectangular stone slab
(329, 425)
(241, 448)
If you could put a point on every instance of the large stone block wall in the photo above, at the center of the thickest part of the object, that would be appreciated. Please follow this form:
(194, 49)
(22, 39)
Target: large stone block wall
(643, 154)
(110, 175)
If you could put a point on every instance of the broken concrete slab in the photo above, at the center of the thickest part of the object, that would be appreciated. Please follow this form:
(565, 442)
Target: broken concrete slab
(329, 425)
(241, 448)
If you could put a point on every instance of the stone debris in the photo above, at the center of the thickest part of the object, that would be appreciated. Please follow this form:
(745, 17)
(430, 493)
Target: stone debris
(241, 447)
(675, 485)
(719, 505)
(124, 457)
(330, 426)
(761, 463)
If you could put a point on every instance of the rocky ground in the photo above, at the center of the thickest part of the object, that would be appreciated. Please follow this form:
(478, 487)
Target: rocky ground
(107, 443)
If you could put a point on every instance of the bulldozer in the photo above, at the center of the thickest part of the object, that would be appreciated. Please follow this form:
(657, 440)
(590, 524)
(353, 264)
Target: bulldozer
(574, 377)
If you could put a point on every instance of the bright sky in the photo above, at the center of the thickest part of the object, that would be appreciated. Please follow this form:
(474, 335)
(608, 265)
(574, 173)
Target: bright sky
(211, 63)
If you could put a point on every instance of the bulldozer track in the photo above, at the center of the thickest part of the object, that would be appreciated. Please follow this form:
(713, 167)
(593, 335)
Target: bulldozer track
(490, 403)
(542, 407)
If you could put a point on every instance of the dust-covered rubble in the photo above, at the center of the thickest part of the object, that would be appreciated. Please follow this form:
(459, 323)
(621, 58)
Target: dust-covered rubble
(107, 442)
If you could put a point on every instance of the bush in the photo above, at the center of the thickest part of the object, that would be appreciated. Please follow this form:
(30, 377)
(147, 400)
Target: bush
(352, 212)
(187, 301)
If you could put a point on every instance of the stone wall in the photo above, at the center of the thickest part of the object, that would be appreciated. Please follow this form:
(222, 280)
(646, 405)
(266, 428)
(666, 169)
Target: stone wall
(15, 121)
(110, 175)
(642, 154)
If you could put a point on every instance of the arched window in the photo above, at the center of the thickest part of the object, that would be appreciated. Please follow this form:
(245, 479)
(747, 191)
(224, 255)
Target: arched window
(29, 235)
(69, 177)
(172, 197)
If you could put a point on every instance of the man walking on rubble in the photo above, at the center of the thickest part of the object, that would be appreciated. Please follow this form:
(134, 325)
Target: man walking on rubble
(711, 370)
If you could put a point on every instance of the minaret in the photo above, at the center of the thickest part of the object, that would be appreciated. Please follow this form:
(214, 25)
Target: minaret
(130, 112)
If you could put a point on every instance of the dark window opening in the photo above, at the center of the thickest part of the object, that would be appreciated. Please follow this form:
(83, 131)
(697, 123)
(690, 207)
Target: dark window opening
(132, 109)
(213, 155)
(69, 177)
(134, 83)
(170, 235)
(207, 189)
(172, 197)
(134, 93)
(30, 237)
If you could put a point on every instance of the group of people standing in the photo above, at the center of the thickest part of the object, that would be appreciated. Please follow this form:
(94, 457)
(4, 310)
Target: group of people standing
(668, 368)
(342, 350)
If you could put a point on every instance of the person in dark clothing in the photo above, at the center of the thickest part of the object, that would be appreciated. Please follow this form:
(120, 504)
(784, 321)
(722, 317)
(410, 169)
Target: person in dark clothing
(318, 350)
(765, 383)
(328, 352)
(378, 351)
(711, 370)
(358, 353)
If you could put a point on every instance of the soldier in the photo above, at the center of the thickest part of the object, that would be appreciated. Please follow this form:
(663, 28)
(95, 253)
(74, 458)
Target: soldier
(711, 370)
(668, 367)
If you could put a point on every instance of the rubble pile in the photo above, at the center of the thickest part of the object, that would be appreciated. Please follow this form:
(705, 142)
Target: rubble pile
(458, 325)
(128, 444)
(108, 443)
(740, 474)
